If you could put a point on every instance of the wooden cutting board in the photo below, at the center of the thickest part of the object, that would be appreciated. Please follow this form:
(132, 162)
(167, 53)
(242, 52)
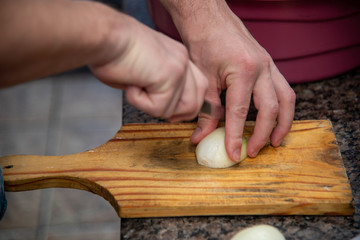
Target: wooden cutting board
(150, 170)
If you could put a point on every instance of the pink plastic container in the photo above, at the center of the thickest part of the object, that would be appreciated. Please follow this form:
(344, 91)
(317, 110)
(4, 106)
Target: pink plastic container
(308, 40)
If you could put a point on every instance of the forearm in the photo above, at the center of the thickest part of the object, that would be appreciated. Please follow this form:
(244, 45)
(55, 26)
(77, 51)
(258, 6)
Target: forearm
(195, 19)
(42, 37)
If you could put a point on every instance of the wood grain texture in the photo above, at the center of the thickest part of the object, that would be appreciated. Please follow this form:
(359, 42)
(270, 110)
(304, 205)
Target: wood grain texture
(150, 170)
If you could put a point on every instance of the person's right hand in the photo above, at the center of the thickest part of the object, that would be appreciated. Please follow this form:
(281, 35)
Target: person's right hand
(155, 71)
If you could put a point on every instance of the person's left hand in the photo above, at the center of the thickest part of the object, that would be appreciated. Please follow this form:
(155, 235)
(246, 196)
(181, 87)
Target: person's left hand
(231, 59)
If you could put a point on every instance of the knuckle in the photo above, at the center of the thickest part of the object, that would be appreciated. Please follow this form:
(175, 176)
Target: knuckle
(265, 60)
(176, 65)
(250, 65)
(159, 111)
(273, 108)
(290, 96)
(177, 68)
(181, 54)
(238, 111)
(255, 63)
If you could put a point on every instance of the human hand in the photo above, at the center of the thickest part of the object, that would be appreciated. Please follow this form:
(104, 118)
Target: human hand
(231, 59)
(156, 73)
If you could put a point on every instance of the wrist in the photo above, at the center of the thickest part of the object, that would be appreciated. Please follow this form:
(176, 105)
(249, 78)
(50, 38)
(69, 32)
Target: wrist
(109, 33)
(198, 20)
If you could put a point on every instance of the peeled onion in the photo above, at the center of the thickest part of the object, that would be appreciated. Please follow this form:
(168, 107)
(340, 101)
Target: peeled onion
(211, 152)
(259, 232)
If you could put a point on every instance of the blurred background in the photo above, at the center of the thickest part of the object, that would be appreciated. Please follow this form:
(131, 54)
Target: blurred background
(74, 112)
(63, 114)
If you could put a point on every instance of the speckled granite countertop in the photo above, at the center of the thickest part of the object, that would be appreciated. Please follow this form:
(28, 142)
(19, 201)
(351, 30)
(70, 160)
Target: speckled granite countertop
(337, 99)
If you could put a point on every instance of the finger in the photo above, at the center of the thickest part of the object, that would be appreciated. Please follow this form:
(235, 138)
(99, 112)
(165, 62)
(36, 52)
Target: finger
(116, 85)
(286, 97)
(152, 103)
(202, 84)
(266, 102)
(237, 105)
(205, 125)
(192, 96)
(208, 123)
(137, 97)
(186, 107)
(174, 97)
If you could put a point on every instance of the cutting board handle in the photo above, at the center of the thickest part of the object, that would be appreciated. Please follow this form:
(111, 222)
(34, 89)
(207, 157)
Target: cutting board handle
(32, 172)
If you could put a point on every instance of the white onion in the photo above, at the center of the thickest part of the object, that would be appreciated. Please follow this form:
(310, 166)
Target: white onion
(259, 232)
(211, 151)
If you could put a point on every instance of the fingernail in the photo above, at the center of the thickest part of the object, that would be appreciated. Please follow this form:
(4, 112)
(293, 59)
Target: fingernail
(254, 153)
(276, 144)
(237, 155)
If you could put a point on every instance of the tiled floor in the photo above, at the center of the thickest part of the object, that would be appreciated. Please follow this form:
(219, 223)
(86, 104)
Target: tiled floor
(59, 115)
